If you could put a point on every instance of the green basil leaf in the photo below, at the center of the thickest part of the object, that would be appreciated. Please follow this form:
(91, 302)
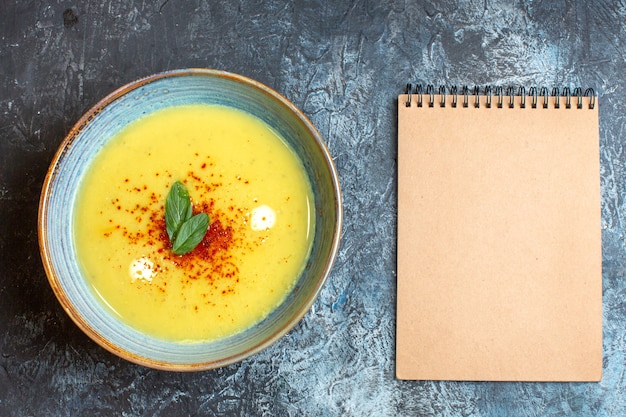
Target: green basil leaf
(190, 234)
(177, 209)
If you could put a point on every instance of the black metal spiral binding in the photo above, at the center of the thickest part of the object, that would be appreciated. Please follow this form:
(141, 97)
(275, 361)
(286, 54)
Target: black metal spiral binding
(442, 94)
(419, 95)
(568, 97)
(500, 94)
(578, 92)
(533, 93)
(430, 90)
(465, 95)
(408, 92)
(510, 91)
(590, 93)
(520, 95)
(477, 97)
(453, 91)
(556, 95)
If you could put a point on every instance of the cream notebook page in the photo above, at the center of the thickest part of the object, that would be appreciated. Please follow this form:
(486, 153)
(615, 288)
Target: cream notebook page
(499, 240)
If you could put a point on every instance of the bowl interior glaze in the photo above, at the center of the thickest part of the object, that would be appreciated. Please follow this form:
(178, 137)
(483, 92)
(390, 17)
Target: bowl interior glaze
(103, 122)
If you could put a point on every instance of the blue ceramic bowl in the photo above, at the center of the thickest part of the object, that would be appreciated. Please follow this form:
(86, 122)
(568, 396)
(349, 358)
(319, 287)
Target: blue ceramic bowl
(98, 126)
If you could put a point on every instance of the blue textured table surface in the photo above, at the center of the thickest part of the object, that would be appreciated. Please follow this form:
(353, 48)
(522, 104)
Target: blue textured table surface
(343, 64)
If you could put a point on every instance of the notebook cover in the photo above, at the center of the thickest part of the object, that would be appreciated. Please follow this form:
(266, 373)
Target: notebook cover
(499, 243)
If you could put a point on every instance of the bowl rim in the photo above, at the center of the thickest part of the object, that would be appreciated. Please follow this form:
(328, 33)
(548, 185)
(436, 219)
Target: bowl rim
(54, 279)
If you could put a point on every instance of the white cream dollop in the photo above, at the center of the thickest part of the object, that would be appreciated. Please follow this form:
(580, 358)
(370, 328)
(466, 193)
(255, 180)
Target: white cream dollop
(262, 218)
(142, 268)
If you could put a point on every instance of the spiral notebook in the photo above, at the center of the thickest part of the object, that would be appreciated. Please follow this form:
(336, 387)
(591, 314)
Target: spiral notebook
(499, 235)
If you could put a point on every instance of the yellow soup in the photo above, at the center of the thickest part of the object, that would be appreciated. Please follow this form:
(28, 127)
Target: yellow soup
(239, 172)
